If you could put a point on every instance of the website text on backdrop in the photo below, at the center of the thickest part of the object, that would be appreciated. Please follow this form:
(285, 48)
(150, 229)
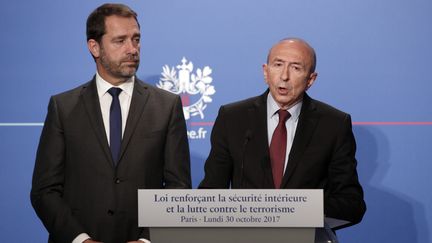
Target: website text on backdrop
(313, 149)
(105, 139)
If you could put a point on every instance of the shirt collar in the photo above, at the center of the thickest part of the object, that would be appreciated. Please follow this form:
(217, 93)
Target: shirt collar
(272, 108)
(103, 86)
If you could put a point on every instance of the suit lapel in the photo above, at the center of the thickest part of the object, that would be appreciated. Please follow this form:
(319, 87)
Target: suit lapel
(92, 106)
(138, 102)
(258, 119)
(305, 128)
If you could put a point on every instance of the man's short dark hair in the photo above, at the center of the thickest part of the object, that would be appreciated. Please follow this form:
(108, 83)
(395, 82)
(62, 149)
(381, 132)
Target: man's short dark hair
(96, 20)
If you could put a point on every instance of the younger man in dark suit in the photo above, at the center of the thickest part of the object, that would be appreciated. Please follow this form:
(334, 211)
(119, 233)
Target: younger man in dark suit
(285, 139)
(107, 138)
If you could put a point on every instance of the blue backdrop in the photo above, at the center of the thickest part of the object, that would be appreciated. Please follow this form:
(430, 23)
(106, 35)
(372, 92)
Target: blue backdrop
(373, 62)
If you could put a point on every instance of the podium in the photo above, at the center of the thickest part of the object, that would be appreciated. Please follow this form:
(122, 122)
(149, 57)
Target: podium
(234, 216)
(232, 235)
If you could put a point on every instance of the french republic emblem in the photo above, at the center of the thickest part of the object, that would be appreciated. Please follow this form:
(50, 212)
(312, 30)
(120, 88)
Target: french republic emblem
(195, 89)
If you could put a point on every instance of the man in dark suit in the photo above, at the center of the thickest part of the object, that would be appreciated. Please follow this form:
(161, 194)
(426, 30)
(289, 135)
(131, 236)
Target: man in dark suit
(313, 148)
(107, 138)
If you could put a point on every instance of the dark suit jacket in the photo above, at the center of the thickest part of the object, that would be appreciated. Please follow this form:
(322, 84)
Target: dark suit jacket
(77, 189)
(322, 155)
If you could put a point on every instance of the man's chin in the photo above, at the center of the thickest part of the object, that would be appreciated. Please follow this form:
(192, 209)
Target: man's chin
(129, 72)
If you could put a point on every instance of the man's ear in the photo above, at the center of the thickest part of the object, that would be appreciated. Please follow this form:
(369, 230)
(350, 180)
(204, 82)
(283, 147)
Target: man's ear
(265, 72)
(311, 80)
(94, 47)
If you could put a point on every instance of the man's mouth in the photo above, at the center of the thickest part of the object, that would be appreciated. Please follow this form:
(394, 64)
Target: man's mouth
(130, 62)
(283, 90)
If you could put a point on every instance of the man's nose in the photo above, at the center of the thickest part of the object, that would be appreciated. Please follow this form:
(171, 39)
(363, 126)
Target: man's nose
(285, 73)
(132, 47)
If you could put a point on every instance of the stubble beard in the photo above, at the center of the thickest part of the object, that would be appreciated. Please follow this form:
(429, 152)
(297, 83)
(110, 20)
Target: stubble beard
(118, 69)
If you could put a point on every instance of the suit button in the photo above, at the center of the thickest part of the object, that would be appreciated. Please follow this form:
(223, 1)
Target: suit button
(117, 181)
(110, 212)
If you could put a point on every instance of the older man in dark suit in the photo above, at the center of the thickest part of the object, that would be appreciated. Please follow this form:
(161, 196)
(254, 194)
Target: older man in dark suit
(107, 138)
(285, 139)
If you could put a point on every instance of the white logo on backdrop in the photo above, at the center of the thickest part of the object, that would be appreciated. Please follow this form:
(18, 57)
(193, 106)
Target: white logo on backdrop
(182, 81)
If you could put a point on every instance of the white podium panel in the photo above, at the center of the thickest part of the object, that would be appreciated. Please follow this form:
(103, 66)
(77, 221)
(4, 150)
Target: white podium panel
(227, 216)
(230, 208)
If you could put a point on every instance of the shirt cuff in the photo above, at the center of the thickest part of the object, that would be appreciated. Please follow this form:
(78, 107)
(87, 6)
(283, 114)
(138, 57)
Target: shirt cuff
(81, 238)
(144, 240)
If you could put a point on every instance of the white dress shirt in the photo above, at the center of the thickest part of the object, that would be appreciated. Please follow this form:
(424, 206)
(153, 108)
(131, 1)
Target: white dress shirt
(105, 100)
(290, 124)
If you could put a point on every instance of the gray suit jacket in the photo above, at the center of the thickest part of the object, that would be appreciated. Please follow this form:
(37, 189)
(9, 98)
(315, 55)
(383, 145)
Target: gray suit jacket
(75, 186)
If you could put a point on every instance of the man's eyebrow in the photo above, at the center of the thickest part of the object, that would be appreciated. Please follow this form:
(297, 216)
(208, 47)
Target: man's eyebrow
(125, 36)
(119, 37)
(297, 63)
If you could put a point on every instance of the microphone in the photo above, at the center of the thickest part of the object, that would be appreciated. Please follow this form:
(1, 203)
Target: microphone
(248, 137)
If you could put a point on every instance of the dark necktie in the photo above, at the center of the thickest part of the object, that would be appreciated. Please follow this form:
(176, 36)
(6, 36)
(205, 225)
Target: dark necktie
(115, 124)
(278, 148)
